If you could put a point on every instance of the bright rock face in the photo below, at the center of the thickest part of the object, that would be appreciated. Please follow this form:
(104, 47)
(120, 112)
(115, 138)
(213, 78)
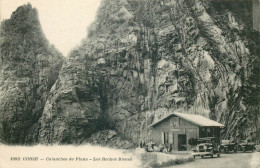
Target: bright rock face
(29, 66)
(144, 59)
(72, 108)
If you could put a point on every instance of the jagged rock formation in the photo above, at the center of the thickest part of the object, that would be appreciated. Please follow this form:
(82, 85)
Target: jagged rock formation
(29, 66)
(144, 59)
(109, 138)
(72, 109)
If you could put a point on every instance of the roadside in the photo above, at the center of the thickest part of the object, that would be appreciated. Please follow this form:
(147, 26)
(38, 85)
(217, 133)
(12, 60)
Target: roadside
(255, 162)
(232, 160)
(159, 159)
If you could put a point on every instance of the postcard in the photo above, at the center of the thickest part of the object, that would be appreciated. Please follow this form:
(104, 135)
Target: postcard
(129, 83)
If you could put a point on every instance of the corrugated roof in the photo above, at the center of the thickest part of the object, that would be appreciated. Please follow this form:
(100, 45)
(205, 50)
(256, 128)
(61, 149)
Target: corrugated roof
(193, 118)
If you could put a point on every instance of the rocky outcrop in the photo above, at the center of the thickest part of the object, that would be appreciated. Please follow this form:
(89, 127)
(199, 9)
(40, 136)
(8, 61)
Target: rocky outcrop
(189, 56)
(73, 108)
(109, 138)
(144, 59)
(29, 66)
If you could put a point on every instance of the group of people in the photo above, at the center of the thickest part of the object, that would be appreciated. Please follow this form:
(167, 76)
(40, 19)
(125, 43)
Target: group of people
(151, 147)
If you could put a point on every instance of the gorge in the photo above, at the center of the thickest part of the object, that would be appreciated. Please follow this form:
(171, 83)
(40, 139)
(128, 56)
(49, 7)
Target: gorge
(142, 60)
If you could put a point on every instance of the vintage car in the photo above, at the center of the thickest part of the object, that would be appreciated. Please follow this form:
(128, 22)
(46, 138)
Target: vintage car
(246, 146)
(206, 147)
(227, 146)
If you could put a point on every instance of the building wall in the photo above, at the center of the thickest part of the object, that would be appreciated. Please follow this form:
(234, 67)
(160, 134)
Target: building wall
(175, 126)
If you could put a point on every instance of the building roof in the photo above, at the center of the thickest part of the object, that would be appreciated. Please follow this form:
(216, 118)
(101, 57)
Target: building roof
(193, 118)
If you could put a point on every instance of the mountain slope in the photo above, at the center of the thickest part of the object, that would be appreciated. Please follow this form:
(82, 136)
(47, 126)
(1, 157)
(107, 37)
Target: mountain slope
(142, 60)
(29, 66)
(145, 59)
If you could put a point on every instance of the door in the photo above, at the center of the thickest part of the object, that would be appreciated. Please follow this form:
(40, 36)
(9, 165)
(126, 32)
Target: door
(182, 142)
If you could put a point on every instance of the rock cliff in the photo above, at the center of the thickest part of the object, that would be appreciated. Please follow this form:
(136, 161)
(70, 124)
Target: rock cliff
(144, 59)
(29, 66)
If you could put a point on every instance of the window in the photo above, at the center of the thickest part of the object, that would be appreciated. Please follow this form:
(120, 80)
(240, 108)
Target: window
(166, 137)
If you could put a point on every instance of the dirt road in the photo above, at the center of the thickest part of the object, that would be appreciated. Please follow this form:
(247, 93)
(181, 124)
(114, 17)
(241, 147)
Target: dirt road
(238, 160)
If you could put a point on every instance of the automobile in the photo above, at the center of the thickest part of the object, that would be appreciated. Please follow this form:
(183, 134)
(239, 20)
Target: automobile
(227, 146)
(206, 147)
(244, 146)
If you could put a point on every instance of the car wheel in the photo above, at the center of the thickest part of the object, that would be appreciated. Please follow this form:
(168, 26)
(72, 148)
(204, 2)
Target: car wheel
(212, 154)
(225, 150)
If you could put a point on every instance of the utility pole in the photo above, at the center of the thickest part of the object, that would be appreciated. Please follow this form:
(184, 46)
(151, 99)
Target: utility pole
(256, 14)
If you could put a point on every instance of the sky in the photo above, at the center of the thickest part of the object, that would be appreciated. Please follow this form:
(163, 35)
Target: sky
(64, 22)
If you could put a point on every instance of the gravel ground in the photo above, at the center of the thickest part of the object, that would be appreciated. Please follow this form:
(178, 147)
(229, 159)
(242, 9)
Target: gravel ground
(238, 160)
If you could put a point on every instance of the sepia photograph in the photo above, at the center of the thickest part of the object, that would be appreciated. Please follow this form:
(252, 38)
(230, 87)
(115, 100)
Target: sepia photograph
(130, 83)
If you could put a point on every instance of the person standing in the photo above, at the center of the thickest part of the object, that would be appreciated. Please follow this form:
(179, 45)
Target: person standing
(141, 144)
(152, 144)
